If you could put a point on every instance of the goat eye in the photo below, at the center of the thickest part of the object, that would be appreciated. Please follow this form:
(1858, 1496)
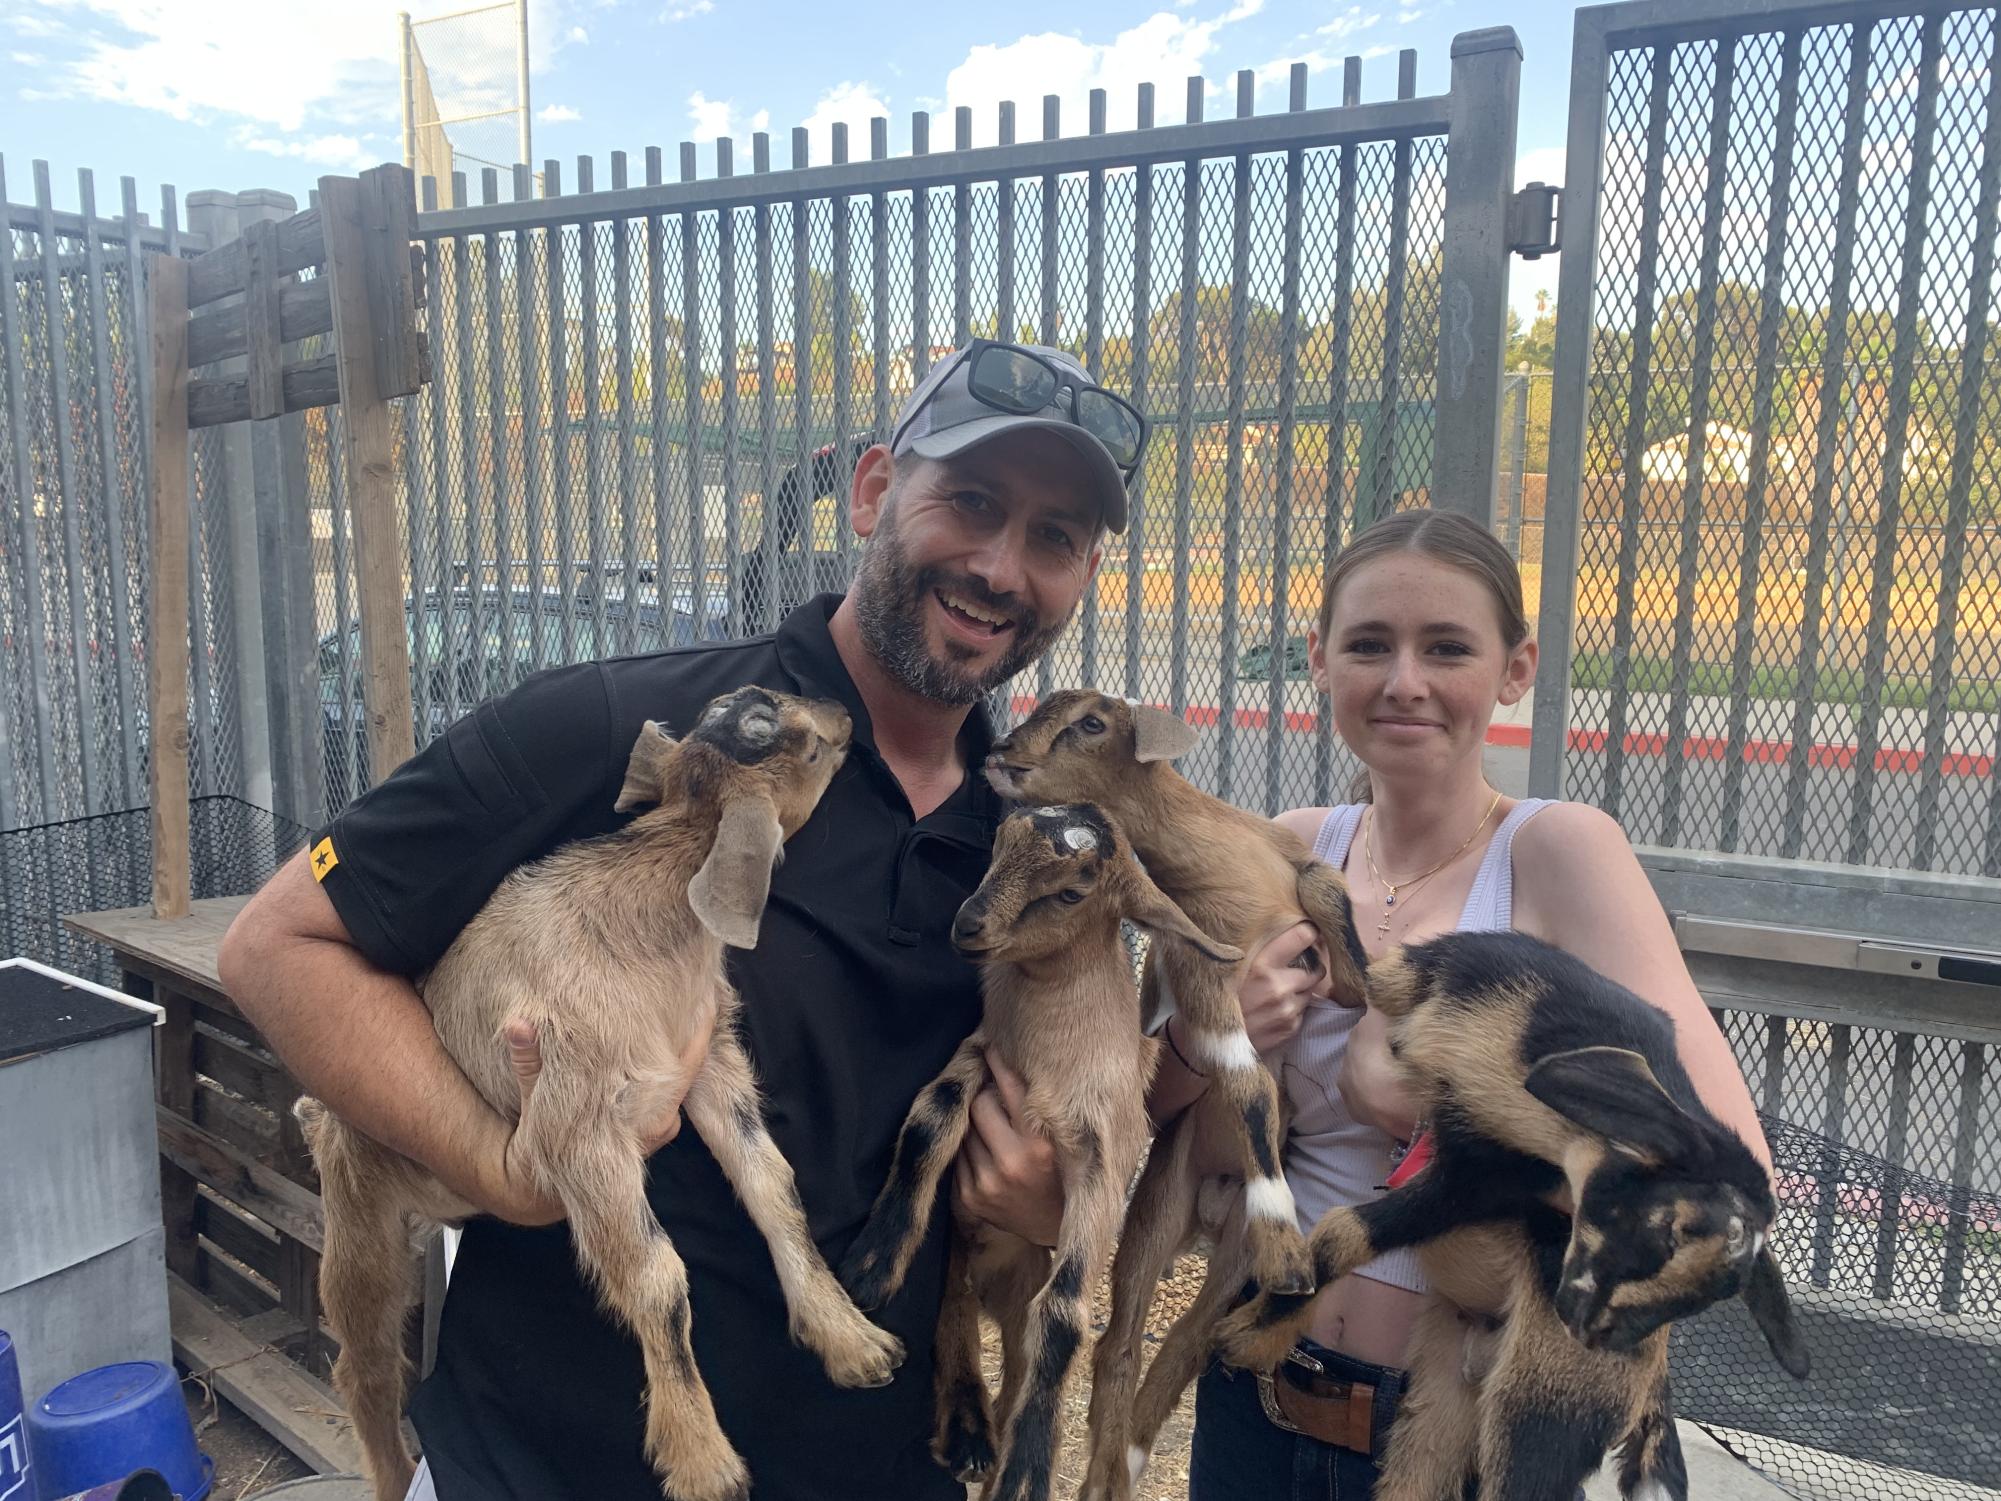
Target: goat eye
(1070, 898)
(1090, 724)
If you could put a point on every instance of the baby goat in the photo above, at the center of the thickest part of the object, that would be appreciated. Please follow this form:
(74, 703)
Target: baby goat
(1242, 878)
(1061, 1012)
(1579, 1189)
(613, 948)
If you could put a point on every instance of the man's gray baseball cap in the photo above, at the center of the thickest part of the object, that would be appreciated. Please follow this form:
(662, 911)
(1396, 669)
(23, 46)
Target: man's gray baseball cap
(953, 420)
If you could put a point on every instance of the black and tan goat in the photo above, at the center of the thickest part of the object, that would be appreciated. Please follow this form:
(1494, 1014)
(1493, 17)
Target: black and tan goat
(1579, 1191)
(1243, 879)
(613, 948)
(1060, 1011)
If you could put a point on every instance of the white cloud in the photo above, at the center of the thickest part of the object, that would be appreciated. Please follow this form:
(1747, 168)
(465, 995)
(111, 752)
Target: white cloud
(28, 59)
(557, 114)
(298, 77)
(712, 119)
(849, 104)
(1162, 50)
(1352, 20)
(578, 36)
(341, 152)
(687, 10)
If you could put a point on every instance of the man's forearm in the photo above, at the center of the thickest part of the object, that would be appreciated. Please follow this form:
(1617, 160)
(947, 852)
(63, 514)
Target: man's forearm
(361, 1040)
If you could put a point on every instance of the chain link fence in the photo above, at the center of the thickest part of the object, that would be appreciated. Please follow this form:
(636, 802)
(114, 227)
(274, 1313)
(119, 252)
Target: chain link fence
(1778, 542)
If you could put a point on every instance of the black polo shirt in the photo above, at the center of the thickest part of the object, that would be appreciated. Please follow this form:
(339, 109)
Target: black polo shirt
(852, 1001)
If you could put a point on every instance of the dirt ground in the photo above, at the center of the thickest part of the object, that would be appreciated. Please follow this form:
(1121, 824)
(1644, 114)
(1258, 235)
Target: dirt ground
(1166, 1477)
(247, 1459)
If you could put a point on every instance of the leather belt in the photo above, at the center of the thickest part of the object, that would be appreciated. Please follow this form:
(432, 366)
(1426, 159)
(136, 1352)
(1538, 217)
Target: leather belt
(1301, 1398)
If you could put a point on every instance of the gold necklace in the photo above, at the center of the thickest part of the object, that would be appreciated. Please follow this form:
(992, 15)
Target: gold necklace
(1390, 888)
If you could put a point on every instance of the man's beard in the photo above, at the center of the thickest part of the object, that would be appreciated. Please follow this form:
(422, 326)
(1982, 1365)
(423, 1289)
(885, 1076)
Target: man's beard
(890, 594)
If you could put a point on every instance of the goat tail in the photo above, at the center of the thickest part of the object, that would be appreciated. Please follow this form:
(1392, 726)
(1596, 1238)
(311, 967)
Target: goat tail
(880, 1257)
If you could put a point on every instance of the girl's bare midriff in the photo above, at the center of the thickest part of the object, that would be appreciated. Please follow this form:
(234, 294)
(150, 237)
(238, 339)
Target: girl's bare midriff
(1366, 1319)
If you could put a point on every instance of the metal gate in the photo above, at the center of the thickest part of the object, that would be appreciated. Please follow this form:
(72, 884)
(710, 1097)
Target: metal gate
(1771, 628)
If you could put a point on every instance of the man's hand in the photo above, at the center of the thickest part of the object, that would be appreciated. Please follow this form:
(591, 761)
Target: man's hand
(1007, 1173)
(524, 1201)
(1280, 979)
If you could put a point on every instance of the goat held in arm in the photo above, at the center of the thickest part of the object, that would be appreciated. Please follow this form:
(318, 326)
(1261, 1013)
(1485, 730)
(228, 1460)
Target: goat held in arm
(1241, 878)
(1060, 1011)
(1578, 1189)
(613, 948)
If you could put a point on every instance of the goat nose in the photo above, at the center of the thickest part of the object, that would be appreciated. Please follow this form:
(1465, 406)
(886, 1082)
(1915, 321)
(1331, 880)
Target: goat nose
(966, 925)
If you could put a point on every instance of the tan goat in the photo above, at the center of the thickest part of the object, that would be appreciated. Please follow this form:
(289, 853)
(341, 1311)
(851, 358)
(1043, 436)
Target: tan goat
(1060, 1010)
(1241, 878)
(613, 948)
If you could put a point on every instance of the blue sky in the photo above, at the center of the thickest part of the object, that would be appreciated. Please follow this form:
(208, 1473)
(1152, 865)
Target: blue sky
(271, 93)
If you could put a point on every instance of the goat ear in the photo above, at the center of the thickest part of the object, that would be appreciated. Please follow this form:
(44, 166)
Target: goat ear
(1765, 1296)
(729, 892)
(1613, 1093)
(645, 769)
(1159, 735)
(1152, 909)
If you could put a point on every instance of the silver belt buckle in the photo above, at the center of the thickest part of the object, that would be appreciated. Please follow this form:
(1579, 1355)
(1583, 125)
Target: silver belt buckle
(1268, 1398)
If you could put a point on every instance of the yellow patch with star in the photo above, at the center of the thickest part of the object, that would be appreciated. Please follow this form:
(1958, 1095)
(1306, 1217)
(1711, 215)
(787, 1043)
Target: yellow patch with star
(324, 859)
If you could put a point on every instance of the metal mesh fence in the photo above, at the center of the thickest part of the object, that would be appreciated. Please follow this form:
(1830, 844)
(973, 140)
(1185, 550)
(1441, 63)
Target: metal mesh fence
(1788, 624)
(1901, 1401)
(48, 871)
(74, 527)
(635, 421)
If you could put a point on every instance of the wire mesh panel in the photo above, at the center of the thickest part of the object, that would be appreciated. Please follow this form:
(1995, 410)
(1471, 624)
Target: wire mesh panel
(1900, 1403)
(74, 426)
(1779, 474)
(646, 406)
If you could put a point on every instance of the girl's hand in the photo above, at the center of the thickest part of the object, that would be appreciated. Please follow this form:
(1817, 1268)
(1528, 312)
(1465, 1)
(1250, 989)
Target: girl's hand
(1280, 979)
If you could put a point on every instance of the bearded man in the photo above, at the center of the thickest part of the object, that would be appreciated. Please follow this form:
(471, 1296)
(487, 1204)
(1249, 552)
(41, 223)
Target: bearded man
(983, 516)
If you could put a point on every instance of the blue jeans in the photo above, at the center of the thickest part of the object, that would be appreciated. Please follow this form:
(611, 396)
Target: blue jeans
(1241, 1455)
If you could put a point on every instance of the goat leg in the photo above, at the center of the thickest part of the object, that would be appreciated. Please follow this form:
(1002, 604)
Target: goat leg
(1094, 1196)
(1323, 897)
(1651, 1467)
(963, 1441)
(1435, 1438)
(880, 1257)
(1157, 1225)
(367, 1284)
(1211, 1026)
(1257, 1335)
(1186, 1349)
(1549, 1409)
(601, 1179)
(723, 1107)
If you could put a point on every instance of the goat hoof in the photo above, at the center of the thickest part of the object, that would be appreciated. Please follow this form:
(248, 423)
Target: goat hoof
(865, 1278)
(867, 1357)
(965, 1441)
(730, 1482)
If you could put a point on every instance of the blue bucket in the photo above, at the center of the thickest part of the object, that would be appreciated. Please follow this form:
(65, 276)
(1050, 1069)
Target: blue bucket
(106, 1423)
(17, 1476)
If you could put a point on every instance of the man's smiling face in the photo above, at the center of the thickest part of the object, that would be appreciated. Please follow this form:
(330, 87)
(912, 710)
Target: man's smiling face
(975, 564)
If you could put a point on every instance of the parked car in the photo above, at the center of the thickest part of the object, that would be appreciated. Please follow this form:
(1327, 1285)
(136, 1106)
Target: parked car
(466, 656)
(1254, 663)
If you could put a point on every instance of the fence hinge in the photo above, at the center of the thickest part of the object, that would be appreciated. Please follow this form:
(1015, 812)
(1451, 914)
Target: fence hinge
(1533, 230)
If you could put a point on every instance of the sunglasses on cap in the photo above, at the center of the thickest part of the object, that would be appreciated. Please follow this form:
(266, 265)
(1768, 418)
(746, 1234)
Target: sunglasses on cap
(1009, 378)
